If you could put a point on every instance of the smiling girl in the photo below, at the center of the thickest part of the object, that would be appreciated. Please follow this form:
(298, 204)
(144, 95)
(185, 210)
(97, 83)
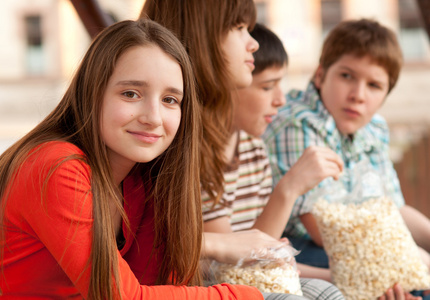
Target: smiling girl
(66, 230)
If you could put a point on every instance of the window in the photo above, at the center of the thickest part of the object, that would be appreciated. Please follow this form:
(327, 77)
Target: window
(331, 14)
(412, 36)
(35, 58)
(261, 12)
(408, 14)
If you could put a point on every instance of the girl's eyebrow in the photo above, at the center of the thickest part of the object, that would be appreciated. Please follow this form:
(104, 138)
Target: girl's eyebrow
(140, 83)
(132, 82)
(175, 91)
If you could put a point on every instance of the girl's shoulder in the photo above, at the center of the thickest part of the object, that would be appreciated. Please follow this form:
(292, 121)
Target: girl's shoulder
(54, 150)
(53, 154)
(57, 148)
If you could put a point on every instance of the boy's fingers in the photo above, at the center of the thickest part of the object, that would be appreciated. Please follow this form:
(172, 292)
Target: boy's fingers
(398, 291)
(390, 295)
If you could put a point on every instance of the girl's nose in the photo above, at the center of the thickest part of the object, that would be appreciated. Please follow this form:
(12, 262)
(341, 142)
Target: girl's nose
(150, 112)
(252, 44)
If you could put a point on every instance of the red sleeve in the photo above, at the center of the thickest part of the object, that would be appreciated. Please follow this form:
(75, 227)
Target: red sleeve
(63, 221)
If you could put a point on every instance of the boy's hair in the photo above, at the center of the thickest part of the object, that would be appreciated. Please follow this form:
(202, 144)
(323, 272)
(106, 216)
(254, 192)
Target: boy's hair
(271, 52)
(364, 37)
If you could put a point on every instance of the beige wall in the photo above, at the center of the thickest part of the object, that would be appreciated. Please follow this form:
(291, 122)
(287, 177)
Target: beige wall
(25, 100)
(385, 11)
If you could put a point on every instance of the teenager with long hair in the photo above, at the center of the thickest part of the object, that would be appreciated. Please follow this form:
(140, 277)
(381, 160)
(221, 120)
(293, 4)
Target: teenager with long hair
(127, 126)
(216, 36)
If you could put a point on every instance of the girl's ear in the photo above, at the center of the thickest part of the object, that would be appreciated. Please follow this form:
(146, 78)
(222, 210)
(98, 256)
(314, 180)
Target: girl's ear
(319, 77)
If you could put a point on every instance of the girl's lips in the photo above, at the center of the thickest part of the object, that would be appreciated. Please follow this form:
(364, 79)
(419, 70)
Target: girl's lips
(351, 113)
(145, 137)
(251, 65)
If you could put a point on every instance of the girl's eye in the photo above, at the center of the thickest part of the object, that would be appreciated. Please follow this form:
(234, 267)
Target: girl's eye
(267, 88)
(242, 26)
(130, 94)
(170, 100)
(375, 85)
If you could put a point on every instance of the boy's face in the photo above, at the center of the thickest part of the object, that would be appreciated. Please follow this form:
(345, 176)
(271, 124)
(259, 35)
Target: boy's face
(352, 90)
(257, 104)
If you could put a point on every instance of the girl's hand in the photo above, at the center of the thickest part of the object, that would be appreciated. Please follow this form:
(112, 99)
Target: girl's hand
(242, 245)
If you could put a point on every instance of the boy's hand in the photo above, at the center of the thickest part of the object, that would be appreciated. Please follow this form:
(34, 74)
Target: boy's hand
(397, 293)
(315, 164)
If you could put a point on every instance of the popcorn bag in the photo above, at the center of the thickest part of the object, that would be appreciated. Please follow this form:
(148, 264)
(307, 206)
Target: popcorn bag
(272, 271)
(367, 242)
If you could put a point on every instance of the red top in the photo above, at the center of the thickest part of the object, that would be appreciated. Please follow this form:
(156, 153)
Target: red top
(48, 241)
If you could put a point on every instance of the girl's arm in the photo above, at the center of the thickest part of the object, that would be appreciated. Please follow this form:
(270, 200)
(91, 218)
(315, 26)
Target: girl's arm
(223, 245)
(62, 222)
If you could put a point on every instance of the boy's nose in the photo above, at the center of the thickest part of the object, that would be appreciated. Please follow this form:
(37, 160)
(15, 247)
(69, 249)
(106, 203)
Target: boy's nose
(278, 97)
(358, 92)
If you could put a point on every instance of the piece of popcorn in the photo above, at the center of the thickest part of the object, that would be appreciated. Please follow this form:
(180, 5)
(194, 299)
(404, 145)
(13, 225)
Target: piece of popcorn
(369, 248)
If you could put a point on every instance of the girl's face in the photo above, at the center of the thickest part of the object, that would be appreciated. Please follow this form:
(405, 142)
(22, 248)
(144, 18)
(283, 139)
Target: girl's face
(141, 109)
(238, 46)
(257, 104)
(352, 90)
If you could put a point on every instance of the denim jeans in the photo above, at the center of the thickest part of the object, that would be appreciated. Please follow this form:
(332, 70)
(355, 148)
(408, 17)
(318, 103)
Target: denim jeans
(310, 253)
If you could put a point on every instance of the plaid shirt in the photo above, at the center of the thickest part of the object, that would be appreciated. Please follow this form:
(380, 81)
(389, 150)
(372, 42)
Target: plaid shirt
(304, 122)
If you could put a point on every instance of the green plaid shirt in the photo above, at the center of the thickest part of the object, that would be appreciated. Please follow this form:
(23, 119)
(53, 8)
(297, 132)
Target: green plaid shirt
(303, 122)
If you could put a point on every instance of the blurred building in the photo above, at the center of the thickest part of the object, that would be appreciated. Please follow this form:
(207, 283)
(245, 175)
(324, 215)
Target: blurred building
(303, 24)
(42, 42)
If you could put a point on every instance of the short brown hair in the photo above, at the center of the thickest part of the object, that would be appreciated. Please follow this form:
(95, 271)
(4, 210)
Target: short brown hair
(271, 52)
(364, 37)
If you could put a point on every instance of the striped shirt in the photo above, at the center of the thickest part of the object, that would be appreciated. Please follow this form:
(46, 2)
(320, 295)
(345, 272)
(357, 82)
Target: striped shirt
(248, 185)
(304, 121)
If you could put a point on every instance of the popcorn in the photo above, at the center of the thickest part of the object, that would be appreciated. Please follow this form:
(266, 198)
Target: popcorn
(272, 278)
(369, 248)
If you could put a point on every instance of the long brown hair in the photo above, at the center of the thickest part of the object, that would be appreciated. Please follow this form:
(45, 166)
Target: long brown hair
(201, 25)
(176, 190)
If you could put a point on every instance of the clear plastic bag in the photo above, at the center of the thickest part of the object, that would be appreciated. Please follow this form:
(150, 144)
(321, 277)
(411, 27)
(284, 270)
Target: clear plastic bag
(367, 242)
(271, 270)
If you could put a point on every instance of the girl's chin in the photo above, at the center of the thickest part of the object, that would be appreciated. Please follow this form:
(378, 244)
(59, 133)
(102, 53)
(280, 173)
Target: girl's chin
(257, 133)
